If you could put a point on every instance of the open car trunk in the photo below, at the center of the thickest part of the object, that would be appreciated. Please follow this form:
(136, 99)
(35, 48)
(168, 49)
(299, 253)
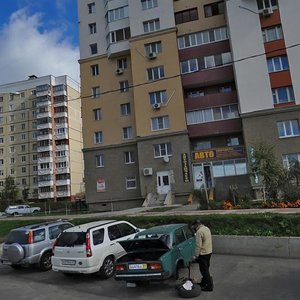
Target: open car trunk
(143, 250)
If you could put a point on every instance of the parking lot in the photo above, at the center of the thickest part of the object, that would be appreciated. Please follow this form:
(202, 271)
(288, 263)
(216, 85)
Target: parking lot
(235, 277)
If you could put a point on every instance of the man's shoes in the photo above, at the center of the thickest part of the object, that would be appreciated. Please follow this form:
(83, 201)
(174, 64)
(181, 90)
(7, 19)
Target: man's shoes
(207, 288)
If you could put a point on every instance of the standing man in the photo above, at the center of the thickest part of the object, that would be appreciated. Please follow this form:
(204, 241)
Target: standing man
(203, 251)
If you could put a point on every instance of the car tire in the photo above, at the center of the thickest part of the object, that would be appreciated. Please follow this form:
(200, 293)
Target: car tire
(15, 214)
(16, 267)
(35, 211)
(15, 253)
(45, 262)
(108, 267)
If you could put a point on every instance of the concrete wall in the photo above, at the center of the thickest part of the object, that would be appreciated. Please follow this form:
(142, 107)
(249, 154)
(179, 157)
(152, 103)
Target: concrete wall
(287, 247)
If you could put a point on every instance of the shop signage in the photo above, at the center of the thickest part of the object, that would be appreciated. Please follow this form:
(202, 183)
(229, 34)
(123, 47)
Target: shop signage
(100, 185)
(185, 167)
(219, 153)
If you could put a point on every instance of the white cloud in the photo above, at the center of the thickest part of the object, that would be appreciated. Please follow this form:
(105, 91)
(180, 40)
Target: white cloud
(26, 50)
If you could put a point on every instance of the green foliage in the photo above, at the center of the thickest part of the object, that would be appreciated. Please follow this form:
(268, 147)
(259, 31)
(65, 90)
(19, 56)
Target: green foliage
(264, 163)
(268, 224)
(10, 192)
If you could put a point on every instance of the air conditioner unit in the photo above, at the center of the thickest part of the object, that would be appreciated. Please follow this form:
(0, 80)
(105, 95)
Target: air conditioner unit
(156, 106)
(267, 12)
(119, 71)
(151, 55)
(147, 171)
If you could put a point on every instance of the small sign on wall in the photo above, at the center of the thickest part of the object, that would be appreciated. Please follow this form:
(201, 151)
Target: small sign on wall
(100, 185)
(185, 167)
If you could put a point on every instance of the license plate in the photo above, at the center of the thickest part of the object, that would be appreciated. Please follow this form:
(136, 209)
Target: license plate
(68, 262)
(137, 266)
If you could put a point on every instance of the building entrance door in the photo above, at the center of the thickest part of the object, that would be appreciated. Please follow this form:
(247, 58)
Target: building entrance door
(202, 175)
(163, 182)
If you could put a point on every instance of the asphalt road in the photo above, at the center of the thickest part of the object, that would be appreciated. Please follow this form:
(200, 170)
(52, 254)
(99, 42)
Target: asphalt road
(235, 277)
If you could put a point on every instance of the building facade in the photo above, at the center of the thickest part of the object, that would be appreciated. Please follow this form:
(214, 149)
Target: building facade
(171, 95)
(41, 137)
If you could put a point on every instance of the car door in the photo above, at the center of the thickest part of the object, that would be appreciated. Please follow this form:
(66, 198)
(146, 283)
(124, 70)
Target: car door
(183, 246)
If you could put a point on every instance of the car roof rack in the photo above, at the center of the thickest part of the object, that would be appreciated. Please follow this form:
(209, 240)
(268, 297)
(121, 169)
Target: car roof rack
(34, 226)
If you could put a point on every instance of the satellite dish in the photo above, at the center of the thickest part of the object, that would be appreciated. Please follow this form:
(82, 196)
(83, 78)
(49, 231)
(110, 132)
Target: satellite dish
(166, 159)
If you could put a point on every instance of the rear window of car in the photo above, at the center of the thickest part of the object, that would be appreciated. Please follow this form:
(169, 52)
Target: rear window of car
(71, 239)
(20, 237)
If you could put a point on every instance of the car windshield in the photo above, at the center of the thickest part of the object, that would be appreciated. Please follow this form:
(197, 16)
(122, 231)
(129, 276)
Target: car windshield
(20, 237)
(70, 239)
(165, 238)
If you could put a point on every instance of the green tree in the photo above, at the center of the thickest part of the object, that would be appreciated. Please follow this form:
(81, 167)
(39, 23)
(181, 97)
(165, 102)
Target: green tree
(294, 171)
(264, 163)
(25, 193)
(9, 193)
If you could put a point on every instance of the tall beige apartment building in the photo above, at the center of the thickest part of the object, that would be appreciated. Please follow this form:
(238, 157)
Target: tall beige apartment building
(41, 137)
(172, 92)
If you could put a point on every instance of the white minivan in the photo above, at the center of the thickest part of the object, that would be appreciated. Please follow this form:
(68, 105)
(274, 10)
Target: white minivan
(91, 247)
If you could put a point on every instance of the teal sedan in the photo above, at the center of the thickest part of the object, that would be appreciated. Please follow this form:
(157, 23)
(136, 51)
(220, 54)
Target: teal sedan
(156, 253)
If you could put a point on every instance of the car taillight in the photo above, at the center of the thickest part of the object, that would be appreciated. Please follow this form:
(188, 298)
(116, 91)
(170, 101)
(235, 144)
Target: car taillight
(120, 267)
(30, 237)
(154, 266)
(54, 245)
(88, 245)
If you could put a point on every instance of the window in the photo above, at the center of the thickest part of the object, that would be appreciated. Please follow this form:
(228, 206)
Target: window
(124, 86)
(122, 63)
(234, 141)
(34, 157)
(11, 118)
(34, 168)
(94, 48)
(272, 33)
(189, 66)
(160, 123)
(12, 171)
(212, 114)
(23, 158)
(194, 93)
(23, 169)
(214, 9)
(148, 4)
(202, 37)
(125, 109)
(202, 145)
(117, 14)
(126, 229)
(95, 91)
(98, 236)
(127, 133)
(154, 47)
(262, 4)
(119, 35)
(156, 73)
(290, 159)
(99, 160)
(229, 167)
(23, 148)
(278, 63)
(91, 8)
(158, 97)
(114, 232)
(97, 114)
(130, 182)
(12, 128)
(98, 138)
(23, 136)
(12, 160)
(129, 157)
(23, 126)
(92, 28)
(12, 138)
(283, 95)
(161, 150)
(152, 25)
(288, 128)
(95, 70)
(186, 16)
(1, 140)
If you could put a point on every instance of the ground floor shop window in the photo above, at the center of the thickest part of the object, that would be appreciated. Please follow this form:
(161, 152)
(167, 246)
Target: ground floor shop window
(229, 167)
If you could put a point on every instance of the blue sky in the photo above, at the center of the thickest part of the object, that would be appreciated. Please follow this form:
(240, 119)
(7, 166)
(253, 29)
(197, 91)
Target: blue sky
(38, 37)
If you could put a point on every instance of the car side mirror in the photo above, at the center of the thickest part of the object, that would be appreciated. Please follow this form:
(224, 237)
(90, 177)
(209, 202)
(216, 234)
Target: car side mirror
(137, 230)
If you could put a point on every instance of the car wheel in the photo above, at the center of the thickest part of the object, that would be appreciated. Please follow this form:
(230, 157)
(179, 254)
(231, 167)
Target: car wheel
(35, 211)
(16, 267)
(15, 253)
(108, 267)
(45, 262)
(15, 213)
(194, 292)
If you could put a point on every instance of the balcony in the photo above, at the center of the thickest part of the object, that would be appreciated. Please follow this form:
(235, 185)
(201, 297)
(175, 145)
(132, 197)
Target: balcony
(62, 147)
(63, 182)
(63, 136)
(44, 126)
(60, 103)
(41, 115)
(120, 48)
(60, 93)
(46, 195)
(61, 158)
(44, 137)
(63, 170)
(63, 194)
(61, 114)
(45, 171)
(44, 148)
(44, 103)
(46, 183)
(61, 125)
(48, 159)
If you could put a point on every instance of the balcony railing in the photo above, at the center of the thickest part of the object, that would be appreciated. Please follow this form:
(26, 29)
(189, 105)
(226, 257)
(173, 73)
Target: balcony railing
(48, 159)
(63, 136)
(46, 114)
(63, 194)
(61, 114)
(45, 183)
(44, 148)
(63, 182)
(44, 126)
(63, 170)
(46, 195)
(62, 147)
(44, 137)
(45, 171)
